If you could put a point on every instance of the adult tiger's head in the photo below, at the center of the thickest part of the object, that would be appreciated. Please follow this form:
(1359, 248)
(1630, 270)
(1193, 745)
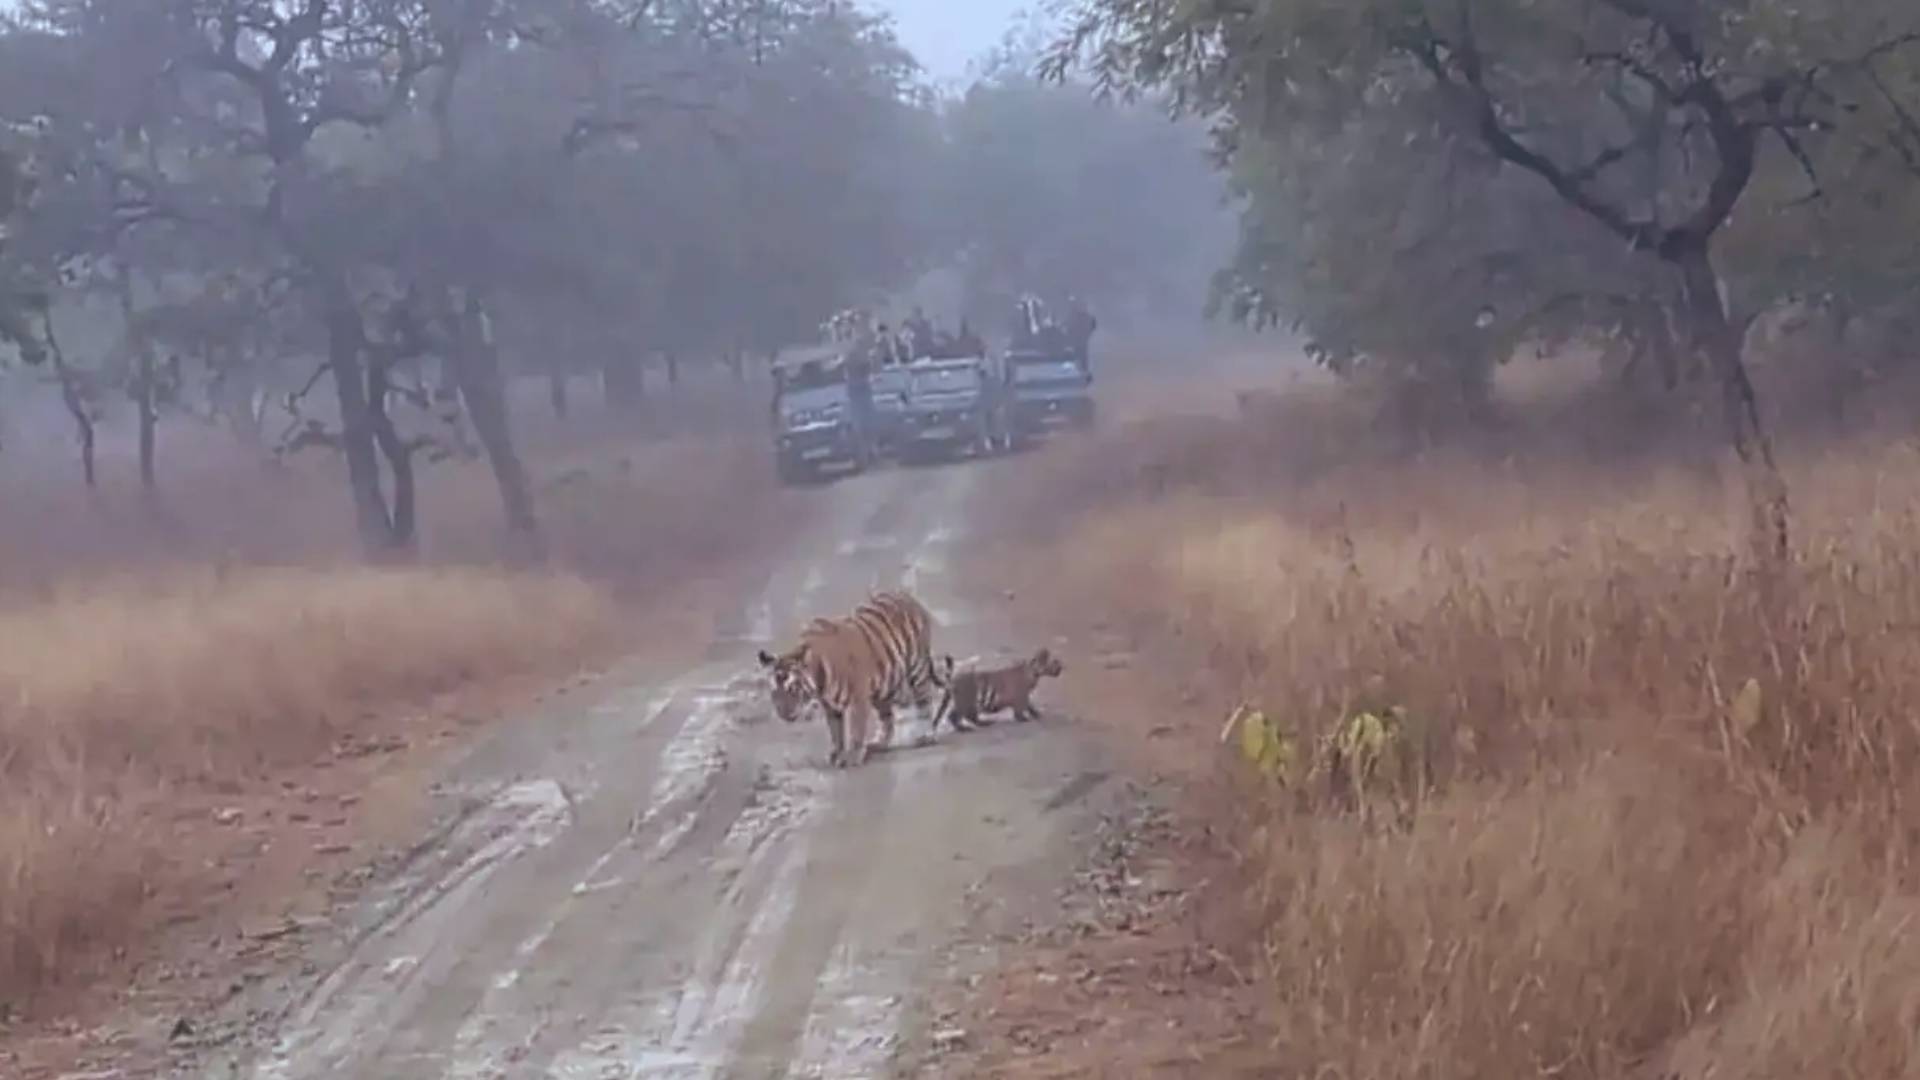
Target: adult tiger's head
(788, 680)
(1044, 663)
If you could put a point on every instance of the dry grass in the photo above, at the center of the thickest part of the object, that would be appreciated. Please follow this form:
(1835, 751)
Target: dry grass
(155, 660)
(210, 675)
(113, 696)
(1614, 870)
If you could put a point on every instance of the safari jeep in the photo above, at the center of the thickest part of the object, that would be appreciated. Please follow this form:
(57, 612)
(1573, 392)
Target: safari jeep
(819, 422)
(1047, 390)
(952, 406)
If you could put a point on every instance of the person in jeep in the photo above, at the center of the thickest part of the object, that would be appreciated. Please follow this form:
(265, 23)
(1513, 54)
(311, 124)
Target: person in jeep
(1029, 322)
(920, 336)
(968, 343)
(1080, 329)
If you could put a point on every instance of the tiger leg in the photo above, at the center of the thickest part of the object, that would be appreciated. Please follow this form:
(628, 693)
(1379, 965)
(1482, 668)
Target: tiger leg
(837, 731)
(926, 704)
(943, 678)
(964, 701)
(971, 715)
(945, 705)
(856, 735)
(885, 710)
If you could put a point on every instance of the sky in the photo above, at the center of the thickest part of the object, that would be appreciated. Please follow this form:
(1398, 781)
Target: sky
(948, 34)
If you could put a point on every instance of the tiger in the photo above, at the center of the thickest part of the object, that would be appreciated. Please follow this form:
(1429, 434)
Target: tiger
(867, 662)
(972, 696)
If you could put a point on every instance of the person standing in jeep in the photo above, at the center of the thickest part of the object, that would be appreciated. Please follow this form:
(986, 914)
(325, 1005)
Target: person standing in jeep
(1029, 320)
(919, 335)
(1080, 327)
(859, 384)
(969, 343)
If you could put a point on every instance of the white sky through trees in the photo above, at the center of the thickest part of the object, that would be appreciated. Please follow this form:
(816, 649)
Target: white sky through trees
(947, 35)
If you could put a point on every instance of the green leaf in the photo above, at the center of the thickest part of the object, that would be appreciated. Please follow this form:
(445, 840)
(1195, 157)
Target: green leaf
(1263, 745)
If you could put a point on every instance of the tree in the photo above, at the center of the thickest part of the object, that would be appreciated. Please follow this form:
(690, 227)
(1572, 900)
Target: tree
(247, 88)
(1399, 246)
(30, 269)
(1651, 118)
(456, 256)
(23, 298)
(1049, 190)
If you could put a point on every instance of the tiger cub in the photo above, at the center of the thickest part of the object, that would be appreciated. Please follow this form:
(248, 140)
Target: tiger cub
(971, 696)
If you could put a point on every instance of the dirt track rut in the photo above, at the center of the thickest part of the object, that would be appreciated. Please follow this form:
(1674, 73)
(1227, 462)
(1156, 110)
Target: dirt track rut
(658, 882)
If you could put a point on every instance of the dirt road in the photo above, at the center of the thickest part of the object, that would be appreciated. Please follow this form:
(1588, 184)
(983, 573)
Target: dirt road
(657, 880)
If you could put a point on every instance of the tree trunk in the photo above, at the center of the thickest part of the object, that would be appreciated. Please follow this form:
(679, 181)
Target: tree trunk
(672, 359)
(83, 428)
(88, 473)
(403, 533)
(1722, 344)
(240, 403)
(1651, 375)
(1660, 334)
(144, 406)
(557, 393)
(476, 367)
(345, 345)
(143, 390)
(74, 397)
(1850, 372)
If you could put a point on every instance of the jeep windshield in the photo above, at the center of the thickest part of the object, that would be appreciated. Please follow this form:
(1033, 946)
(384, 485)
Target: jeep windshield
(1046, 371)
(813, 405)
(945, 381)
(814, 377)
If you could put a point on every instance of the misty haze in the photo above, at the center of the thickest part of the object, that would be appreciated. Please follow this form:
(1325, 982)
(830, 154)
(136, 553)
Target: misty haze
(681, 539)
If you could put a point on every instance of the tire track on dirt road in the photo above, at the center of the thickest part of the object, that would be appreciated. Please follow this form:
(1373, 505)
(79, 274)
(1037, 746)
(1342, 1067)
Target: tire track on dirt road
(670, 885)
